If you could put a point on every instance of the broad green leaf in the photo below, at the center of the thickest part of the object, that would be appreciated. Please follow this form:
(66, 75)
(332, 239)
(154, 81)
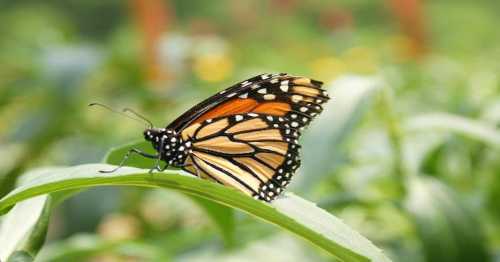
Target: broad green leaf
(448, 232)
(289, 212)
(24, 227)
(475, 129)
(350, 97)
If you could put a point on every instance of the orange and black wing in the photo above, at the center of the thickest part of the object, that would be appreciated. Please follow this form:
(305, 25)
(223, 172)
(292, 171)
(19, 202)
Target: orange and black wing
(254, 153)
(297, 99)
(246, 136)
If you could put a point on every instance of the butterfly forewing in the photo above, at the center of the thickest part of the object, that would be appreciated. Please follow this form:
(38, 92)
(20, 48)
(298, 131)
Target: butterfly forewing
(298, 99)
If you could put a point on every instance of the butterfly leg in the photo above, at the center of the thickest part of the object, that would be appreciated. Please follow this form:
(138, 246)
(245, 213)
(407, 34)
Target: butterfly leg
(158, 160)
(125, 158)
(161, 169)
(157, 167)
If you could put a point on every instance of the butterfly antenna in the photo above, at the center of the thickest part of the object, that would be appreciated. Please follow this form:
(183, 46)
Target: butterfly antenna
(141, 118)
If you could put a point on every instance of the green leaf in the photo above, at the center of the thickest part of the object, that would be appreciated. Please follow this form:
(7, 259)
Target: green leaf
(289, 212)
(474, 129)
(447, 230)
(24, 227)
(350, 99)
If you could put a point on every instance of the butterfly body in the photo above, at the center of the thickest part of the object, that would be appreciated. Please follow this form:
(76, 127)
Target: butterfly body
(169, 144)
(245, 136)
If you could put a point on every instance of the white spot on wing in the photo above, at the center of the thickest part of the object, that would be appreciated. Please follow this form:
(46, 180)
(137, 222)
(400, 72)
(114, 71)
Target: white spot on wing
(269, 97)
(284, 86)
(297, 98)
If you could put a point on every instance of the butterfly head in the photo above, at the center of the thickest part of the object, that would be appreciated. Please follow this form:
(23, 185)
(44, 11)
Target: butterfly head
(168, 142)
(153, 134)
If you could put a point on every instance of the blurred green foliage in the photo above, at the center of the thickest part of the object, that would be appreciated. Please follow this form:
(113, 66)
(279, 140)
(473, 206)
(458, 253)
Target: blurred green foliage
(413, 163)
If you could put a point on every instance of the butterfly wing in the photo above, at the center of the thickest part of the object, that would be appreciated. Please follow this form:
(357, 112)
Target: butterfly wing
(246, 136)
(254, 153)
(298, 99)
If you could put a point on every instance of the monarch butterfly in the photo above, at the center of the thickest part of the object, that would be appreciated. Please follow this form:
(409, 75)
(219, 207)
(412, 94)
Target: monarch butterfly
(245, 136)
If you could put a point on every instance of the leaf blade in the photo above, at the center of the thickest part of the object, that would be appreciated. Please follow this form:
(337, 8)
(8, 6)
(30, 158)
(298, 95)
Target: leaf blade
(89, 175)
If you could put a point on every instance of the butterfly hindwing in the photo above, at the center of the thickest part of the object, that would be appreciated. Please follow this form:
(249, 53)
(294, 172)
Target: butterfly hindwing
(254, 153)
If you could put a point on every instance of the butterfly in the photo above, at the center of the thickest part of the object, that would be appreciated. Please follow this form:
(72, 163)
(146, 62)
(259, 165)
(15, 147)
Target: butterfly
(244, 137)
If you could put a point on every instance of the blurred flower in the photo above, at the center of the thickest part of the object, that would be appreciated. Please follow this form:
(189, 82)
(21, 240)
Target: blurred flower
(119, 227)
(212, 62)
(153, 18)
(410, 15)
(213, 67)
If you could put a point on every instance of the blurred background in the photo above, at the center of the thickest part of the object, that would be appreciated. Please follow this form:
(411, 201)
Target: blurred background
(407, 151)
